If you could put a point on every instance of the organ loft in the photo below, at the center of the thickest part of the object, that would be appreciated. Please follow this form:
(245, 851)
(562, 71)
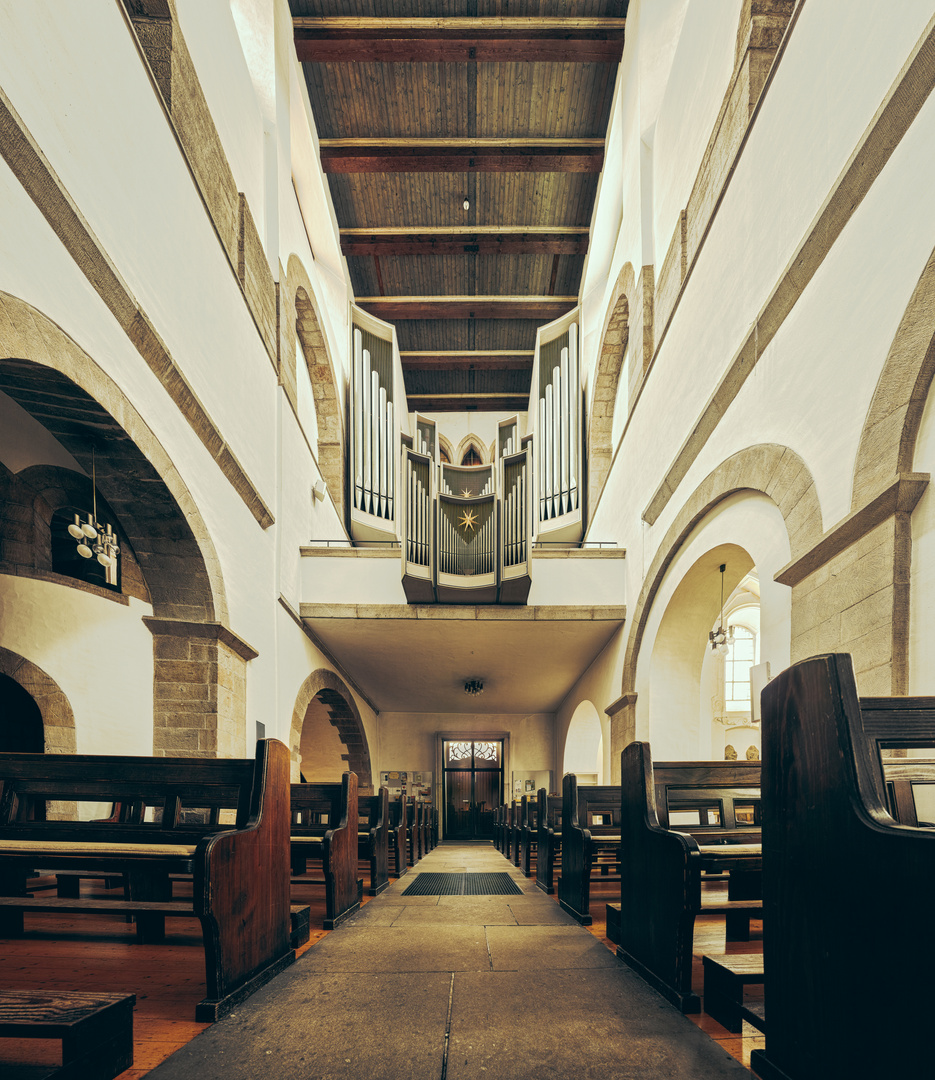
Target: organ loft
(467, 545)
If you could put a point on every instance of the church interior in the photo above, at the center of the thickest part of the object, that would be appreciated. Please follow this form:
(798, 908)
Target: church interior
(463, 411)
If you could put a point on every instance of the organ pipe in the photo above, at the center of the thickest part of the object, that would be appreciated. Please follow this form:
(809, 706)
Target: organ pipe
(558, 435)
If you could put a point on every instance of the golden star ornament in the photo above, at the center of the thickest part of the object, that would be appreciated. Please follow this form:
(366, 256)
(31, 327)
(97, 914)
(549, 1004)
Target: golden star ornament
(468, 520)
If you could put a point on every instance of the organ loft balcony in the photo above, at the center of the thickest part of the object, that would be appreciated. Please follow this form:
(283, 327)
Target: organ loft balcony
(477, 570)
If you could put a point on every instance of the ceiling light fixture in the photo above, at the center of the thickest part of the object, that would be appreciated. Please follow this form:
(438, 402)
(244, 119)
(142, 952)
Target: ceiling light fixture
(474, 687)
(467, 204)
(104, 544)
(719, 638)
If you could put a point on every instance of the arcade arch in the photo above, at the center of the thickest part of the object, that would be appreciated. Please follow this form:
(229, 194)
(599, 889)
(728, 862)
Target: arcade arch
(323, 700)
(584, 745)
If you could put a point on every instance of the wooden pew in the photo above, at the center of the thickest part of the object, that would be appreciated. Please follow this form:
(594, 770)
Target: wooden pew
(240, 872)
(373, 838)
(590, 843)
(529, 834)
(519, 812)
(413, 831)
(847, 892)
(397, 836)
(661, 869)
(549, 841)
(497, 815)
(324, 829)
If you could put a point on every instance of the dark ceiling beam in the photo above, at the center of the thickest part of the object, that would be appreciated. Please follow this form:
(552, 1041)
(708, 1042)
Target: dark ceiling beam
(467, 359)
(542, 308)
(498, 241)
(427, 403)
(347, 39)
(391, 155)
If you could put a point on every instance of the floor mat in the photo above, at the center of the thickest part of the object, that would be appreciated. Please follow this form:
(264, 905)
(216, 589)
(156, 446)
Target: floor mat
(491, 884)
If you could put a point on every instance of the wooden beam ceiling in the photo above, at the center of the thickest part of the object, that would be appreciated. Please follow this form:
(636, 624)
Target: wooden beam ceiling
(343, 39)
(466, 240)
(543, 308)
(505, 403)
(470, 155)
(467, 359)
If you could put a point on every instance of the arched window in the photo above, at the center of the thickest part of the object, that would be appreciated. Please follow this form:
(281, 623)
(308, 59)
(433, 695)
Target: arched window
(472, 457)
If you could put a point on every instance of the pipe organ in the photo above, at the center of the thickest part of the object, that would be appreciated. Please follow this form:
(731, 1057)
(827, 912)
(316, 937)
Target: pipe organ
(466, 533)
(373, 444)
(556, 403)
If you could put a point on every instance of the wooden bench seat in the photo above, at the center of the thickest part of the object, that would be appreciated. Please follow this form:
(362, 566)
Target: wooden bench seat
(397, 836)
(96, 1029)
(662, 868)
(590, 843)
(725, 976)
(373, 838)
(846, 953)
(321, 830)
(549, 840)
(239, 871)
(529, 833)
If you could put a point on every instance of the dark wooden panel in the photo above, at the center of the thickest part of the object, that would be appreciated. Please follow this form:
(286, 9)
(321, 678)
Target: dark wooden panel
(476, 360)
(423, 243)
(463, 403)
(466, 158)
(543, 308)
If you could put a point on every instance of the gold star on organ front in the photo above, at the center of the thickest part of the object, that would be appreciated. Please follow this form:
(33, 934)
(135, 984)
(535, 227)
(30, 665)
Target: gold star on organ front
(468, 520)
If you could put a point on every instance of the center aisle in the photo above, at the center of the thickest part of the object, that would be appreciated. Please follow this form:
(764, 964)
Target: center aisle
(457, 988)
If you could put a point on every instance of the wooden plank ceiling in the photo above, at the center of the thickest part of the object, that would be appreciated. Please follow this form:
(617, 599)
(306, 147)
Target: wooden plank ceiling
(463, 142)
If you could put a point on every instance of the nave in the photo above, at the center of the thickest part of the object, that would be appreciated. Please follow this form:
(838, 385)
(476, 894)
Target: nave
(456, 987)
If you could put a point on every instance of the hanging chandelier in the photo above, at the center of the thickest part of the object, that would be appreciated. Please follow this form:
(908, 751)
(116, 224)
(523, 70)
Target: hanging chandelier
(95, 539)
(474, 687)
(720, 638)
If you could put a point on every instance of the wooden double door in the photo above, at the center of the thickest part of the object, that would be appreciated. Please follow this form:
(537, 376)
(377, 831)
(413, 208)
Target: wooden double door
(472, 779)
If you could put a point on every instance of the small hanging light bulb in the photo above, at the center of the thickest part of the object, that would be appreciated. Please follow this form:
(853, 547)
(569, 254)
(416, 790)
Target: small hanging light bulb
(467, 204)
(75, 529)
(84, 551)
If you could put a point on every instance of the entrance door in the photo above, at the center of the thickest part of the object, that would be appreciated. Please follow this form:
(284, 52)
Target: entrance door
(473, 787)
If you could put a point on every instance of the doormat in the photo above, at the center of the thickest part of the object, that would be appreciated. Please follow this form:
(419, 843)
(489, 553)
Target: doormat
(497, 884)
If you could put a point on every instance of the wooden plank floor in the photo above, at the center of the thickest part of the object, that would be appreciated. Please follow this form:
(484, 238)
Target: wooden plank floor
(94, 952)
(87, 953)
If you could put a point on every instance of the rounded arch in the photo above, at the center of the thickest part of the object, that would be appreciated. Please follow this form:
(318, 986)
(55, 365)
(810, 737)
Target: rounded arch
(321, 372)
(606, 377)
(888, 439)
(58, 720)
(467, 443)
(329, 689)
(679, 649)
(51, 377)
(584, 744)
(770, 469)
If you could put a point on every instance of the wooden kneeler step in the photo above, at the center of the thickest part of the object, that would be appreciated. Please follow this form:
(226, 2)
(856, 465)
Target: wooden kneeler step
(96, 1029)
(725, 976)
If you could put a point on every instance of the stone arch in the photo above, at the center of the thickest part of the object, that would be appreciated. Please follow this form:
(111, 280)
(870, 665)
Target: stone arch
(330, 689)
(888, 439)
(466, 443)
(770, 469)
(321, 372)
(444, 447)
(606, 377)
(199, 704)
(50, 376)
(58, 720)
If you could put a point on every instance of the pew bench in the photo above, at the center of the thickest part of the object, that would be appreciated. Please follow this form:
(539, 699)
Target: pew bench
(96, 1029)
(397, 836)
(373, 841)
(548, 840)
(322, 816)
(239, 871)
(529, 834)
(590, 843)
(846, 957)
(662, 868)
(725, 976)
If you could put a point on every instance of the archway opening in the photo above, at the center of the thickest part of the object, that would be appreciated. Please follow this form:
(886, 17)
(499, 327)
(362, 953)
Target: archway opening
(323, 756)
(584, 745)
(21, 728)
(686, 672)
